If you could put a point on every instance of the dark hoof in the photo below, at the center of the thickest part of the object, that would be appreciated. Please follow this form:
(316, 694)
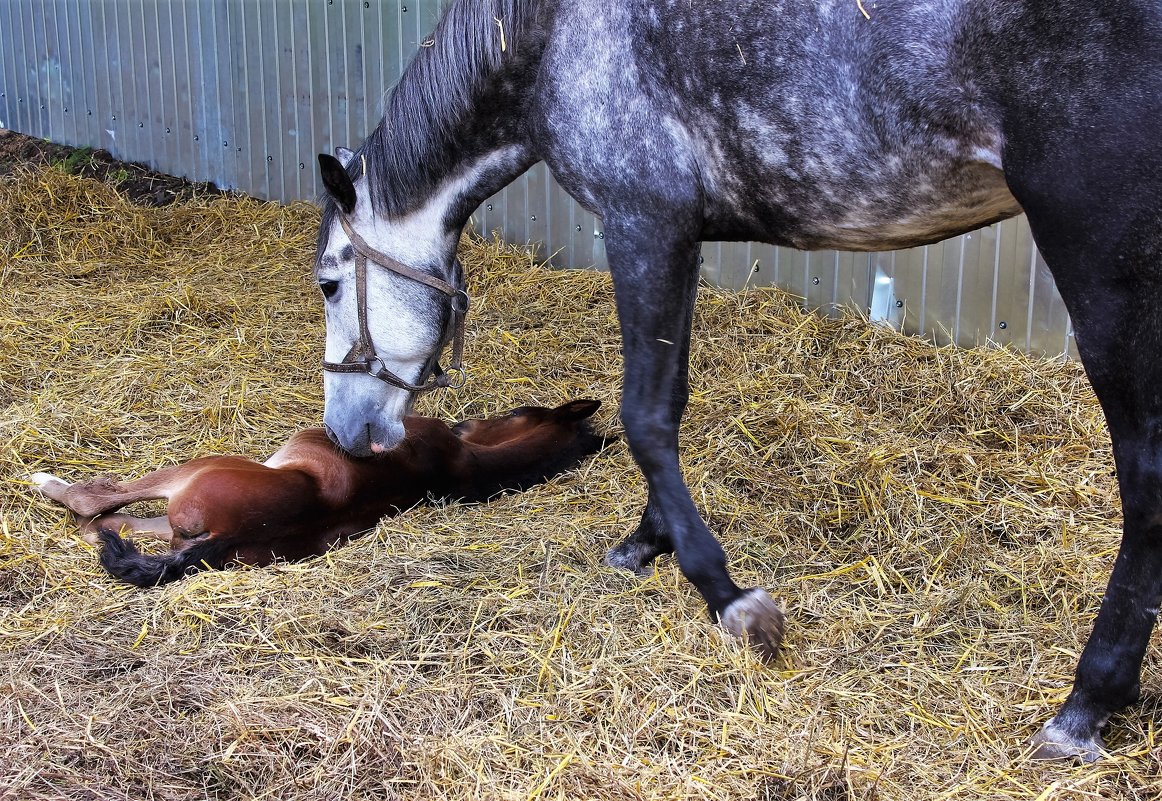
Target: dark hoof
(636, 557)
(756, 616)
(1054, 741)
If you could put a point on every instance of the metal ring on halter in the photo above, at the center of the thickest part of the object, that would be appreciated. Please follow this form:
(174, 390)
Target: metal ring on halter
(457, 377)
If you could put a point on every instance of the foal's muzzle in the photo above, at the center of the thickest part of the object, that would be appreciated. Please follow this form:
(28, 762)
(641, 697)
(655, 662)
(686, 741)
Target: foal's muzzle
(362, 358)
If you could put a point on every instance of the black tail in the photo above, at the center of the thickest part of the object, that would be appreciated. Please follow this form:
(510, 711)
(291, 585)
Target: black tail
(122, 559)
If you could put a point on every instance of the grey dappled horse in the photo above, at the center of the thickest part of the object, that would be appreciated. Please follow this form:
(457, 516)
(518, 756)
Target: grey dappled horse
(803, 124)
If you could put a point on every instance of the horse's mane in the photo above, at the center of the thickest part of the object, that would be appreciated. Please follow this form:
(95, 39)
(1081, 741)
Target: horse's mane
(408, 151)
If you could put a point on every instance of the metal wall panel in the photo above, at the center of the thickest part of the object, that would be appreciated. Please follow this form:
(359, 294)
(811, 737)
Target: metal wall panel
(245, 93)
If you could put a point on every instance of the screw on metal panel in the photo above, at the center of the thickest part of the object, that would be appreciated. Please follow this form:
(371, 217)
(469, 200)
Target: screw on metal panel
(114, 118)
(195, 137)
(239, 150)
(899, 304)
(578, 227)
(489, 207)
(404, 9)
(1002, 325)
(167, 130)
(533, 218)
(815, 281)
(601, 235)
(141, 125)
(89, 112)
(367, 5)
(701, 259)
(42, 106)
(302, 166)
(66, 111)
(270, 158)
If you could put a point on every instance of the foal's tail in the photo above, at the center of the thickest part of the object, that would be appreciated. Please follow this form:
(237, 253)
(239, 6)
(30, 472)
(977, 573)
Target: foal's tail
(122, 559)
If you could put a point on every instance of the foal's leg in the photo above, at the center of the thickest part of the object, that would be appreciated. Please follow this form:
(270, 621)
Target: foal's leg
(100, 495)
(654, 262)
(120, 523)
(1094, 200)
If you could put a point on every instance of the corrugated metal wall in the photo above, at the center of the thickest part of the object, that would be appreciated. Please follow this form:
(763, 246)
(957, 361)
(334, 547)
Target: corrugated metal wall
(244, 93)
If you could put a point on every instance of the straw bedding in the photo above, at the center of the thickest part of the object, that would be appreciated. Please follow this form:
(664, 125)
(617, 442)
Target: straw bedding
(940, 524)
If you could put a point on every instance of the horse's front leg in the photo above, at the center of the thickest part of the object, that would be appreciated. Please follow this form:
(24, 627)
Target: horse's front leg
(654, 264)
(651, 539)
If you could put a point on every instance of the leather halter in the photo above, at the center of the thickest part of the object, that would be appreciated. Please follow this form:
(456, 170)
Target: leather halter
(362, 357)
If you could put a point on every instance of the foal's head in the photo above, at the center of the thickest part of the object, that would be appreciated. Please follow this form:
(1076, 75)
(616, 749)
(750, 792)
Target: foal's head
(531, 426)
(528, 445)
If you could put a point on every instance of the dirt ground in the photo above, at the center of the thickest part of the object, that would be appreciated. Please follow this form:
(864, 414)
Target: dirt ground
(138, 183)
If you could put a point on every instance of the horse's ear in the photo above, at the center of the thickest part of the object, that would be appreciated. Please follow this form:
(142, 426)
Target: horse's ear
(337, 182)
(577, 410)
(344, 155)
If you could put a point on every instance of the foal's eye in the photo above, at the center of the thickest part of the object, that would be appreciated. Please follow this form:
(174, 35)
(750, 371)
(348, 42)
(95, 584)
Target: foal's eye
(329, 288)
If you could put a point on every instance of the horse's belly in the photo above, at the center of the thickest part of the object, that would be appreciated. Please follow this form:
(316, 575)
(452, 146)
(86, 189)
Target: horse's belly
(878, 222)
(844, 198)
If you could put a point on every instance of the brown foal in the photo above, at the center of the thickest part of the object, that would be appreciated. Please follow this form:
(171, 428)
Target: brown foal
(310, 496)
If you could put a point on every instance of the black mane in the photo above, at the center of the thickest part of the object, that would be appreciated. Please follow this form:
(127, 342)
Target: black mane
(423, 126)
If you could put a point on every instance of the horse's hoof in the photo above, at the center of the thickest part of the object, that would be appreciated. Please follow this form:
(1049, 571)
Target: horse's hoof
(756, 616)
(42, 480)
(1055, 742)
(636, 557)
(49, 486)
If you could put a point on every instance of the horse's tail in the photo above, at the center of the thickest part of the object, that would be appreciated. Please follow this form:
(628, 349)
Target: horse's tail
(122, 559)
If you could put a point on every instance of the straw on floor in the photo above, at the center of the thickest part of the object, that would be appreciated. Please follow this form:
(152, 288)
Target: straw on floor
(939, 523)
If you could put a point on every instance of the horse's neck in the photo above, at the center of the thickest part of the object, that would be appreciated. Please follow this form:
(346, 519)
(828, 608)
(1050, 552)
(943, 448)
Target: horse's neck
(454, 131)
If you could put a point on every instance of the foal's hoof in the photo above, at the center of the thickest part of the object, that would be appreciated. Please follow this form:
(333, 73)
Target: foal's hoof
(42, 480)
(49, 486)
(756, 616)
(1055, 741)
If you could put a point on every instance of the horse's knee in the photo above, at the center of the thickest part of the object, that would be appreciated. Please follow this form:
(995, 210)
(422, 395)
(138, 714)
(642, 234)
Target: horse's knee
(651, 436)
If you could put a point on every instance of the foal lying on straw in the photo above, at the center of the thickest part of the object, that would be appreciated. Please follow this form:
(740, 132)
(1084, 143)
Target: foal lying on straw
(310, 496)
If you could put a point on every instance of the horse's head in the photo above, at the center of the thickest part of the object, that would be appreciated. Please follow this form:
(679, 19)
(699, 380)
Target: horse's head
(393, 293)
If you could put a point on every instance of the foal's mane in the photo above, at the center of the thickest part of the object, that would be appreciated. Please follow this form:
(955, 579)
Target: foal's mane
(408, 153)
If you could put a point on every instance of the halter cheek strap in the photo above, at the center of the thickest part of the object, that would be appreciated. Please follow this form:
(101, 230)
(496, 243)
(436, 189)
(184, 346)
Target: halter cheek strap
(362, 358)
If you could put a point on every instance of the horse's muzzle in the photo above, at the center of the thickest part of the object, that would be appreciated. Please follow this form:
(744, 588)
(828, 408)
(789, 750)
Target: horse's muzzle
(364, 439)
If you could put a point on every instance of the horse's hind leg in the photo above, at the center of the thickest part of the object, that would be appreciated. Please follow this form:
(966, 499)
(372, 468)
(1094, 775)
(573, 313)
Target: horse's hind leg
(654, 262)
(1094, 200)
(104, 494)
(118, 523)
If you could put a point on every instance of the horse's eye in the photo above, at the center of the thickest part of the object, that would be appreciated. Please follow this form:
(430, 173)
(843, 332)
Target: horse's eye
(329, 288)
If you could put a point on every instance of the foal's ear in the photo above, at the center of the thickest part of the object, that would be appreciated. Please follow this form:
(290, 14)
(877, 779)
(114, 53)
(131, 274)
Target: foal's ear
(577, 410)
(344, 155)
(337, 182)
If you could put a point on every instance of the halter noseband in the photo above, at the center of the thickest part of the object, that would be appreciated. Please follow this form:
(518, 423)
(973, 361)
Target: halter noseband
(362, 357)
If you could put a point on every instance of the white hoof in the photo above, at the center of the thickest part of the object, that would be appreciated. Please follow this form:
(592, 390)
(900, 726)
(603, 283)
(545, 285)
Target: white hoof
(1056, 742)
(44, 480)
(756, 616)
